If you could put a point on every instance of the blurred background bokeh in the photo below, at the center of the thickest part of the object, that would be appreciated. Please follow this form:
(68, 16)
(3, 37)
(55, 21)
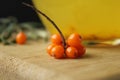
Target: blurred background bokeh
(15, 18)
(17, 9)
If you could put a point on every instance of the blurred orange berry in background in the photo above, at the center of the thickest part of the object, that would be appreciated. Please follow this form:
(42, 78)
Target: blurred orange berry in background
(21, 38)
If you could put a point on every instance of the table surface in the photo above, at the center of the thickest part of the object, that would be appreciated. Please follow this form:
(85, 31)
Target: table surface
(31, 62)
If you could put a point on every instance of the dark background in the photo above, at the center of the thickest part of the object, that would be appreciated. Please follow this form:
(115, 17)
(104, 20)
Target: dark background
(17, 9)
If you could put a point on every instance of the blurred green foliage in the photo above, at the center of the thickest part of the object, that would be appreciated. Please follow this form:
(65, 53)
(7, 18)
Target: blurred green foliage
(10, 27)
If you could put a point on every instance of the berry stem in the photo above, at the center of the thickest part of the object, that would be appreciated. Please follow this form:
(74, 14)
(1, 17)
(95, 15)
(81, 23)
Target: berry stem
(53, 23)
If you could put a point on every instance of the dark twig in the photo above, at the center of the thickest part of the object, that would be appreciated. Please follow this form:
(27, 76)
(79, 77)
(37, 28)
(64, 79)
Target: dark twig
(63, 39)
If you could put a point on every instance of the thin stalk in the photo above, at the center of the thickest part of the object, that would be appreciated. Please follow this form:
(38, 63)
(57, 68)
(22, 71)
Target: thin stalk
(53, 23)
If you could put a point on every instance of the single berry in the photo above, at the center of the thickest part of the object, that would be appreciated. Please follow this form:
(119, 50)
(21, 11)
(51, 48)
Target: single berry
(58, 52)
(21, 38)
(81, 50)
(56, 39)
(74, 40)
(49, 48)
(71, 52)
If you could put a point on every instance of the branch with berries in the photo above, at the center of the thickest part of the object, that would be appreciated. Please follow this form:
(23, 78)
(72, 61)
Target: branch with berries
(59, 47)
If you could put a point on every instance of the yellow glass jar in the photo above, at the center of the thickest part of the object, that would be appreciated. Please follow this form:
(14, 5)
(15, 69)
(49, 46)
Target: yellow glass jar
(93, 19)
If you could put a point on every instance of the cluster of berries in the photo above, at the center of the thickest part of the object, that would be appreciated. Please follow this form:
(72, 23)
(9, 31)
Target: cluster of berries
(73, 49)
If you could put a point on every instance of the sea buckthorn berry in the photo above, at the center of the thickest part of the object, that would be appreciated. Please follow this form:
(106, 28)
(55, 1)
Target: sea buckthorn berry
(74, 40)
(71, 52)
(21, 38)
(81, 50)
(75, 35)
(56, 39)
(58, 52)
(49, 48)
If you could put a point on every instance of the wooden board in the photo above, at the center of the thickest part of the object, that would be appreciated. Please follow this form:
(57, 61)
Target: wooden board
(31, 62)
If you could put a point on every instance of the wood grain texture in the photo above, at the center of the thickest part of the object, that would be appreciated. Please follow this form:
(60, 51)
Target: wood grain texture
(31, 62)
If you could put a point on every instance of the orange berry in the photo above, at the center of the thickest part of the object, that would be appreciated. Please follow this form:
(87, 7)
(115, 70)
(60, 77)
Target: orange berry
(58, 52)
(21, 38)
(56, 39)
(71, 52)
(81, 50)
(74, 40)
(49, 48)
